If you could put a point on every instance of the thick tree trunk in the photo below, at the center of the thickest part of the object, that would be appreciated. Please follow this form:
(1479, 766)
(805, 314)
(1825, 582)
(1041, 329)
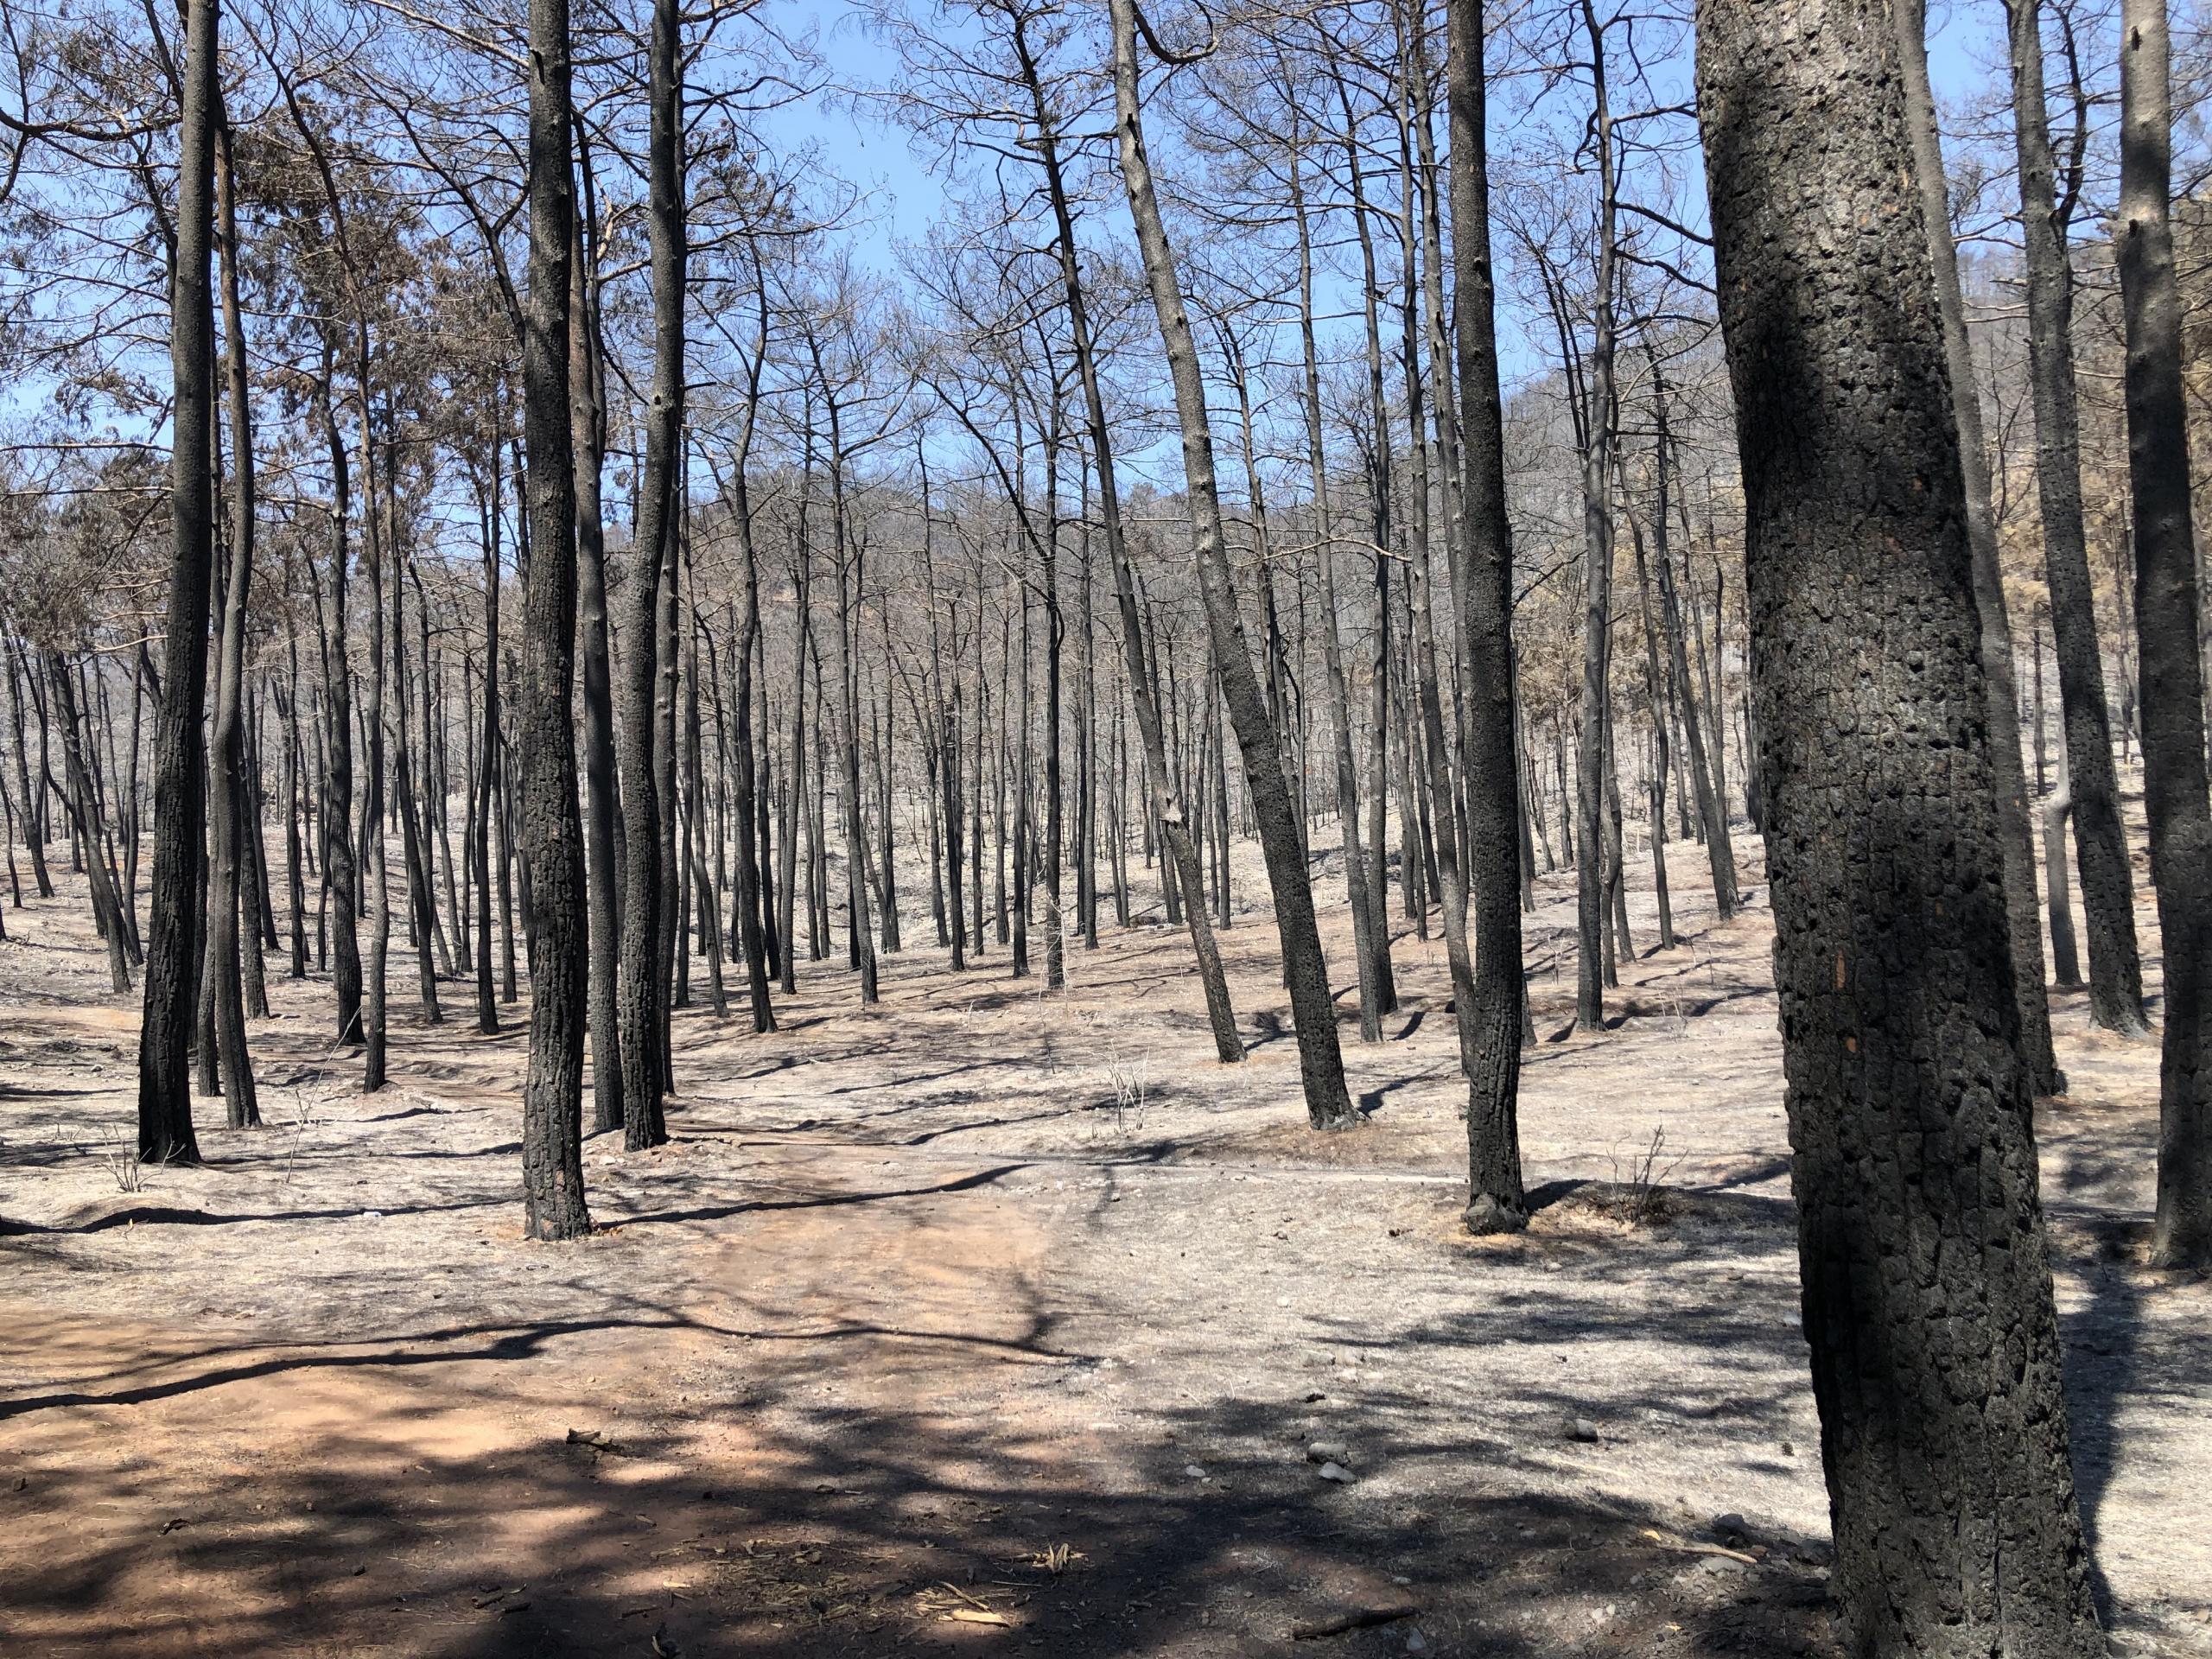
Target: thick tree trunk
(1327, 1104)
(552, 824)
(173, 943)
(1928, 1302)
(2100, 839)
(2166, 619)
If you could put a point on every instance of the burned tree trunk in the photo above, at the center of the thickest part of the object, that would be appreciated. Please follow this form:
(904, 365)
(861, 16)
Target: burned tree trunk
(487, 1006)
(226, 783)
(1596, 760)
(603, 803)
(1321, 1063)
(1988, 576)
(1928, 1302)
(1337, 690)
(2100, 839)
(642, 985)
(341, 867)
(552, 824)
(1483, 589)
(2166, 620)
(172, 941)
(1163, 800)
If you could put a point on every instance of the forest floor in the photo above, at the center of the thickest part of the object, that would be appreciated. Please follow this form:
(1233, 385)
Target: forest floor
(917, 1337)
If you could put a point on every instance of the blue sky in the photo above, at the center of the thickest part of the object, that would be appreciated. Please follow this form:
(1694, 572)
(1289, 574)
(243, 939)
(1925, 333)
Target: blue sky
(905, 198)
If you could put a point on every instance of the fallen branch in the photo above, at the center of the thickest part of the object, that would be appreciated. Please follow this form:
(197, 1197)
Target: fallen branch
(1662, 1539)
(1358, 1619)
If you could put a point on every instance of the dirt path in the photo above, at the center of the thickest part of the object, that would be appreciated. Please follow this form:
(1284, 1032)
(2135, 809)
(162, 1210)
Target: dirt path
(916, 1340)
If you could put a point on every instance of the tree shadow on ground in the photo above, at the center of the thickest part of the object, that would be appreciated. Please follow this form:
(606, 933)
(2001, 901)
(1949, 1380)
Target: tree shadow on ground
(867, 1533)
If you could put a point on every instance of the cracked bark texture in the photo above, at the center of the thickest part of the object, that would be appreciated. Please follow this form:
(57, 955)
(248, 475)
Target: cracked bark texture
(1927, 1292)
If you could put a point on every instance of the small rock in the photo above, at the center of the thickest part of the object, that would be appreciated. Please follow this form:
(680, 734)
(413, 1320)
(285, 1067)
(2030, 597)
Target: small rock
(1581, 1429)
(1720, 1567)
(1730, 1527)
(1416, 1642)
(1194, 1472)
(1328, 1451)
(1336, 1473)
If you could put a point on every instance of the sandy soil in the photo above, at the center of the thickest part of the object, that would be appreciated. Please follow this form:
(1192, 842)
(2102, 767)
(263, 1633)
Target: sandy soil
(916, 1338)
